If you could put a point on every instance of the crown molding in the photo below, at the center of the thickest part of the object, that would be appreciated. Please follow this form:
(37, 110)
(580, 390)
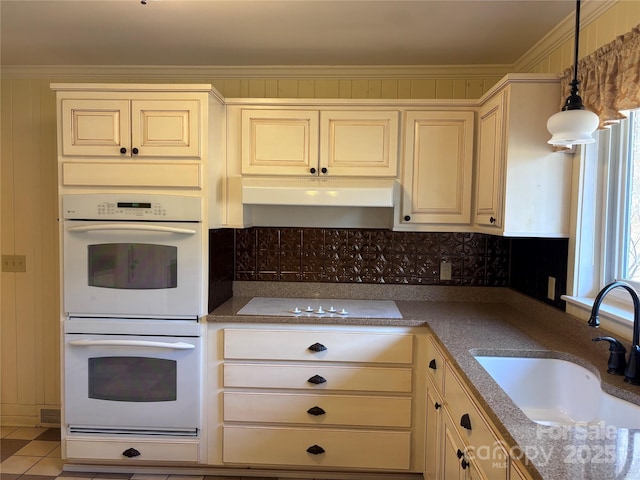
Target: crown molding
(564, 31)
(256, 72)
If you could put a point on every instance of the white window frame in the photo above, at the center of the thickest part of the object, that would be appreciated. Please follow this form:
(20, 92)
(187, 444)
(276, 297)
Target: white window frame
(600, 183)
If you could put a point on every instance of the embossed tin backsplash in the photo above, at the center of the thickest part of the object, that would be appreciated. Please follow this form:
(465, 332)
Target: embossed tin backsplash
(369, 256)
(384, 257)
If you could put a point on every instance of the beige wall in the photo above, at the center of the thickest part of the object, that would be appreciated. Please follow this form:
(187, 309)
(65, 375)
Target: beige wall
(29, 328)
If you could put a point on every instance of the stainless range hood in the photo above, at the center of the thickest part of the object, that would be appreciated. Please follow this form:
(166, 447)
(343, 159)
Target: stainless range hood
(325, 192)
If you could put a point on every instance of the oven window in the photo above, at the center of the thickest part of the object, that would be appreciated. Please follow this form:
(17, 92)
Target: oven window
(133, 379)
(135, 266)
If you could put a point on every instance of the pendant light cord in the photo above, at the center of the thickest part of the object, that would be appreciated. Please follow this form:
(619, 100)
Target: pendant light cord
(574, 101)
(577, 41)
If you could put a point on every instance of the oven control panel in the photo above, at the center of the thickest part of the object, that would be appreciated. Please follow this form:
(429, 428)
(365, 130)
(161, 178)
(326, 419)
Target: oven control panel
(134, 207)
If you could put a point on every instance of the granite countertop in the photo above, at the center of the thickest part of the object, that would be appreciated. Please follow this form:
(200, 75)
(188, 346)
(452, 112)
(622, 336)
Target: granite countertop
(507, 323)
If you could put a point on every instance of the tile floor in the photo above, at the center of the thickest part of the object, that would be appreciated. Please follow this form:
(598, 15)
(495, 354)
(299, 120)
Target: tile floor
(34, 454)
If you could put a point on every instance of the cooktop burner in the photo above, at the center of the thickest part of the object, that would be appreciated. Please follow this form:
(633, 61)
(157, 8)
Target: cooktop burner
(321, 307)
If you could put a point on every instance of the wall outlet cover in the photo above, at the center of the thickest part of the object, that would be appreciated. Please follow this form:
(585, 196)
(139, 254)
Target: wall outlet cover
(445, 270)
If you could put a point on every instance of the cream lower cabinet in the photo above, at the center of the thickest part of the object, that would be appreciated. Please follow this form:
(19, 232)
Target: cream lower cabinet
(307, 141)
(460, 442)
(437, 169)
(127, 135)
(133, 451)
(321, 397)
(522, 187)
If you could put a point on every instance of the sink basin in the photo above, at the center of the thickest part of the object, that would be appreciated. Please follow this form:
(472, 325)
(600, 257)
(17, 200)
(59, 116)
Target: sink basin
(551, 391)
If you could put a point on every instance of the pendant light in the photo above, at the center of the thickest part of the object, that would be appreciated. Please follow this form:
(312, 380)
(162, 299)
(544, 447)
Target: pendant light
(574, 124)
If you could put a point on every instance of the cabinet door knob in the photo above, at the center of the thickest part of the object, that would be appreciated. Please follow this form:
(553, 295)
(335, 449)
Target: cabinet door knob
(123, 150)
(324, 170)
(131, 452)
(432, 364)
(492, 220)
(407, 218)
(312, 170)
(134, 151)
(315, 450)
(465, 421)
(317, 380)
(437, 405)
(464, 464)
(317, 347)
(459, 453)
(316, 411)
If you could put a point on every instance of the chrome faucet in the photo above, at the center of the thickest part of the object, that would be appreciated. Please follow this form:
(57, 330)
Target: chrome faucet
(632, 369)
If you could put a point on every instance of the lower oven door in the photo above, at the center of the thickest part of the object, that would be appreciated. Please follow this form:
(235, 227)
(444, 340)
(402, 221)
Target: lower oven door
(132, 384)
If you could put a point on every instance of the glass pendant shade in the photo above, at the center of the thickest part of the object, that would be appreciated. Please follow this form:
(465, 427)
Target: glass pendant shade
(572, 127)
(574, 124)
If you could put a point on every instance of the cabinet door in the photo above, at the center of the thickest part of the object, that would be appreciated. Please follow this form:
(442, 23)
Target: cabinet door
(95, 127)
(438, 161)
(165, 128)
(280, 142)
(362, 143)
(452, 452)
(490, 167)
(433, 427)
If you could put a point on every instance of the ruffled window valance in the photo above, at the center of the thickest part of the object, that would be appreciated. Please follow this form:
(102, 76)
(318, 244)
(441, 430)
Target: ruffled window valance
(609, 78)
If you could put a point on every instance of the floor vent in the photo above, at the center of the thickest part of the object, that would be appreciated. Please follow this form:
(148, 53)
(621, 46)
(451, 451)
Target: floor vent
(49, 415)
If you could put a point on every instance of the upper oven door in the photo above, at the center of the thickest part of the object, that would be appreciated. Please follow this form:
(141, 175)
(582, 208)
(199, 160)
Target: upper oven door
(133, 269)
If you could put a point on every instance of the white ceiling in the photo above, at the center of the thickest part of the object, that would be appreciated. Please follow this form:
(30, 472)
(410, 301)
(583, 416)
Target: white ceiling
(274, 32)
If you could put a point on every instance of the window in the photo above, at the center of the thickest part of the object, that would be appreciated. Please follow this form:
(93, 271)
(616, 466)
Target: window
(630, 218)
(606, 246)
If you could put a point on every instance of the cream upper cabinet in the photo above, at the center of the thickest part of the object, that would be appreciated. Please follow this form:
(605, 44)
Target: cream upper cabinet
(522, 186)
(135, 135)
(363, 143)
(438, 164)
(319, 142)
(136, 128)
(489, 172)
(280, 142)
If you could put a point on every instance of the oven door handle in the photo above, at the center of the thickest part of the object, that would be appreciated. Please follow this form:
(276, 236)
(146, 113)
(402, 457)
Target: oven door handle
(138, 227)
(132, 343)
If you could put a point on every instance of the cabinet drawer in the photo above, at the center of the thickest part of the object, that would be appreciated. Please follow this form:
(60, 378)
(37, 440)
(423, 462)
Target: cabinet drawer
(374, 379)
(131, 174)
(340, 346)
(163, 451)
(459, 404)
(346, 410)
(435, 364)
(342, 448)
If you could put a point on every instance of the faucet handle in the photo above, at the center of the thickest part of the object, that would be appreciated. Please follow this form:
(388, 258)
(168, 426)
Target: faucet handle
(617, 362)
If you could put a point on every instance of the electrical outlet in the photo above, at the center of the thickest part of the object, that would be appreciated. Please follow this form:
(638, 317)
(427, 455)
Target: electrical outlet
(445, 270)
(14, 263)
(551, 288)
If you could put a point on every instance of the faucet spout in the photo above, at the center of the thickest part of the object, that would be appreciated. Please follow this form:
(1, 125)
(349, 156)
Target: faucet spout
(632, 371)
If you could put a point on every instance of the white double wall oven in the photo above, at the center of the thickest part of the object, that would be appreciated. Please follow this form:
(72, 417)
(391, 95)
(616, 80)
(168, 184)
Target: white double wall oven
(133, 295)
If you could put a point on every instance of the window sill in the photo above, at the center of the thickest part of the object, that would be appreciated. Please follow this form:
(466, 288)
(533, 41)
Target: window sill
(617, 317)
